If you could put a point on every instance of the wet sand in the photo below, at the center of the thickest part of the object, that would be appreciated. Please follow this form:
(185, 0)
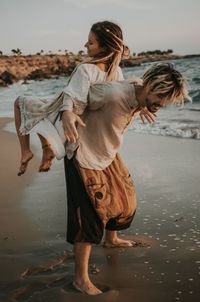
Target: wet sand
(36, 264)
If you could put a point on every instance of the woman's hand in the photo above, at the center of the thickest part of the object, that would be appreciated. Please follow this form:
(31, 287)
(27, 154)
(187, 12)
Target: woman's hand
(70, 121)
(146, 114)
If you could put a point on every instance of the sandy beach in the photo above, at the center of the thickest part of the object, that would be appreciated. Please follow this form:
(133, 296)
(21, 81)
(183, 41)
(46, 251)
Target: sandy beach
(36, 264)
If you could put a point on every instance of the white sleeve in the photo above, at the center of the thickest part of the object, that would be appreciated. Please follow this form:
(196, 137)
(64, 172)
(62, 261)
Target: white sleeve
(120, 75)
(75, 94)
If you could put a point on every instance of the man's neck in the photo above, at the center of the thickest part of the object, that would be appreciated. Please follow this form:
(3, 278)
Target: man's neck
(140, 94)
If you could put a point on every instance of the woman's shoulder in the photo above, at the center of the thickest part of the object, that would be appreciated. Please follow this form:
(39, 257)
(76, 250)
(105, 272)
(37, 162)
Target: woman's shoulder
(90, 67)
(81, 68)
(81, 72)
(87, 69)
(94, 73)
(85, 66)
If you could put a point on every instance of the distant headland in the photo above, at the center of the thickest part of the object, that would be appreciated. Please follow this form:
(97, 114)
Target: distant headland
(39, 66)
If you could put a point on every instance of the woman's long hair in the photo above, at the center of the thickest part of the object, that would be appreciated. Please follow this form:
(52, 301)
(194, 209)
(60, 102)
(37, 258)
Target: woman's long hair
(110, 38)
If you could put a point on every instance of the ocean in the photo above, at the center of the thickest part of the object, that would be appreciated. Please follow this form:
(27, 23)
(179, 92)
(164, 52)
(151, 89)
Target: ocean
(182, 122)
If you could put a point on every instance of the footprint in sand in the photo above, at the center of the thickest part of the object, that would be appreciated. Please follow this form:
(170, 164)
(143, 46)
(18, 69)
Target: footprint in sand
(24, 292)
(49, 266)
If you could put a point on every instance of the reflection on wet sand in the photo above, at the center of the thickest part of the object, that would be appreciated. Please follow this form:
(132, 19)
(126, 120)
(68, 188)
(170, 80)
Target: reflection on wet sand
(56, 274)
(164, 266)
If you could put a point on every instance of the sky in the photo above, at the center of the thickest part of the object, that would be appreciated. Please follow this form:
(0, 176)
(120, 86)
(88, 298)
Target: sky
(32, 25)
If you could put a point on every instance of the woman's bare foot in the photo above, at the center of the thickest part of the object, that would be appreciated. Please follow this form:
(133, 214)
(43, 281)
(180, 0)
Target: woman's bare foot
(47, 158)
(87, 287)
(26, 157)
(118, 242)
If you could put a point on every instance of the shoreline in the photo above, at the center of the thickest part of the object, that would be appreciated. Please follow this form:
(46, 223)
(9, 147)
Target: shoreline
(39, 67)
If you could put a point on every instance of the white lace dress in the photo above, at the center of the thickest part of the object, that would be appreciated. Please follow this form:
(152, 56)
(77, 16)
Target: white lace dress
(39, 115)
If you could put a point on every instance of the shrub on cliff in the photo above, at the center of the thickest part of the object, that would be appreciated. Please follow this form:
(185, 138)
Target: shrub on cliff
(38, 74)
(16, 52)
(7, 78)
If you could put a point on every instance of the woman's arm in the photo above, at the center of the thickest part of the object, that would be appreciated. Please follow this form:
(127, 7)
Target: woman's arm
(74, 102)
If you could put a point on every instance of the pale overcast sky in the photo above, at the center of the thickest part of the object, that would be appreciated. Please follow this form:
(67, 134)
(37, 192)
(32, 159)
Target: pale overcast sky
(32, 25)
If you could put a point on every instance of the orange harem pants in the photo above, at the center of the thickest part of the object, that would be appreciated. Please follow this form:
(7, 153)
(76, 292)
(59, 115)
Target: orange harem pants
(105, 199)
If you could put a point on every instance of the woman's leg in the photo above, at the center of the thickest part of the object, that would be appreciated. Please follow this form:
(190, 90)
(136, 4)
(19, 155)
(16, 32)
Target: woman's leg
(47, 156)
(26, 153)
(82, 282)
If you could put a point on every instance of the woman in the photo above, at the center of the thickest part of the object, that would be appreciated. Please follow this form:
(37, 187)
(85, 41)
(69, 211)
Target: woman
(106, 48)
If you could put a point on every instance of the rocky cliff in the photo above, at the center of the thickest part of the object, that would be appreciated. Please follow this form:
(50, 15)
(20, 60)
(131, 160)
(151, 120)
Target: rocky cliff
(38, 67)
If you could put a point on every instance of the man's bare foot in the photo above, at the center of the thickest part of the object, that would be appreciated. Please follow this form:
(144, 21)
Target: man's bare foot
(118, 242)
(47, 158)
(87, 288)
(26, 157)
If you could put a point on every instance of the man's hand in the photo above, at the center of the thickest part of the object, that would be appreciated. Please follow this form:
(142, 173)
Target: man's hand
(70, 121)
(146, 114)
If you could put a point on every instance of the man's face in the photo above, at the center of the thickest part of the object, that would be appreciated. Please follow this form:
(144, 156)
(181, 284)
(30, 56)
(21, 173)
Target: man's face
(154, 102)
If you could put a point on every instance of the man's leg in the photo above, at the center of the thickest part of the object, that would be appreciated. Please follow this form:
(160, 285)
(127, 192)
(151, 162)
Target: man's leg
(82, 281)
(112, 240)
(81, 214)
(123, 190)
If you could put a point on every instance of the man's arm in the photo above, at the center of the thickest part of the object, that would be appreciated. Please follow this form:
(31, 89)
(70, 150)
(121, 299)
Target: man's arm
(146, 114)
(70, 121)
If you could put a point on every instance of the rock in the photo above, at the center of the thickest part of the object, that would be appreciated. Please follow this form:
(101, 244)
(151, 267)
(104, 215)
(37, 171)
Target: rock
(7, 77)
(37, 74)
(129, 63)
(25, 82)
(2, 83)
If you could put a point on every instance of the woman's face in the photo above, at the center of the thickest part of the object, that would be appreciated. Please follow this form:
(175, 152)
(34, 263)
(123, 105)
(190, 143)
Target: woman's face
(92, 45)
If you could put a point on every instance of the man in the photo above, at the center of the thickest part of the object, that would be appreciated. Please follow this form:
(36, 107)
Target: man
(101, 194)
